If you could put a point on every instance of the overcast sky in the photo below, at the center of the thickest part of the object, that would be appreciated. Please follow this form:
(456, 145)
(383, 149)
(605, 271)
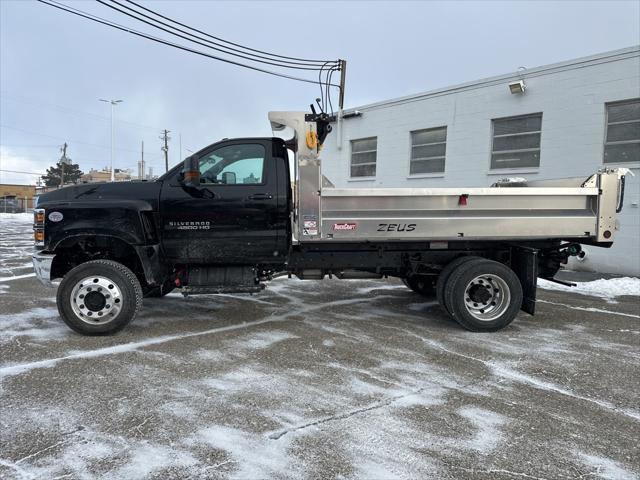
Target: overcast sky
(55, 66)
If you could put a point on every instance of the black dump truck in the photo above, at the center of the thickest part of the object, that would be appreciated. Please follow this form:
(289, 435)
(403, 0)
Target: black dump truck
(242, 211)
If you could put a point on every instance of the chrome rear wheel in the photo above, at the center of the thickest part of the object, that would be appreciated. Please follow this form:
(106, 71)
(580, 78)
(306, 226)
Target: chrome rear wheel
(487, 297)
(483, 295)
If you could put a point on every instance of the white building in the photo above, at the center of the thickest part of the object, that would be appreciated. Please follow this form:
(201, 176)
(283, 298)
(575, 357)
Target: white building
(573, 118)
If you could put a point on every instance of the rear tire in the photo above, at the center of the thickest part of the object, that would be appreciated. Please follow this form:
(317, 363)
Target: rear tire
(99, 297)
(425, 286)
(446, 272)
(483, 295)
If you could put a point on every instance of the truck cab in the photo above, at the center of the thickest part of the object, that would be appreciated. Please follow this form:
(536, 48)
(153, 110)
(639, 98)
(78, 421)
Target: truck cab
(238, 211)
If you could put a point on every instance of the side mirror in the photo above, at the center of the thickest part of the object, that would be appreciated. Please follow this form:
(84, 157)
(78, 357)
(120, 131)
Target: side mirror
(191, 167)
(229, 178)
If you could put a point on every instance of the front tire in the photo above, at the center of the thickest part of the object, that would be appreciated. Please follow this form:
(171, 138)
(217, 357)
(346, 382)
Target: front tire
(99, 297)
(483, 295)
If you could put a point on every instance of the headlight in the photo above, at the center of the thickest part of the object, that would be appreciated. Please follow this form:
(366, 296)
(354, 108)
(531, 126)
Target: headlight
(38, 226)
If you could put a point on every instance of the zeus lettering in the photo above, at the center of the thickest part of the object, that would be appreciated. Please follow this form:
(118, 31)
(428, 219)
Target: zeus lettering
(396, 227)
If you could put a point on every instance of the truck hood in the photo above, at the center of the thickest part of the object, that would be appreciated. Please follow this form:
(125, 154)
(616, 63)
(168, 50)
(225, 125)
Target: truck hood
(88, 192)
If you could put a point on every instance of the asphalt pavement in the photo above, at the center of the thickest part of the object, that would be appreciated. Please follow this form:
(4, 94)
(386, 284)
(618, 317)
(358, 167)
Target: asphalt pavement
(331, 379)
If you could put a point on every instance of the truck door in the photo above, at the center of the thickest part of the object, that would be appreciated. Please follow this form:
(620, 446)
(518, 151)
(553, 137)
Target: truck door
(231, 217)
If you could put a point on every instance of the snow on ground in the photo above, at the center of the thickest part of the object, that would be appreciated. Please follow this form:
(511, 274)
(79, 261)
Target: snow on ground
(332, 379)
(608, 288)
(16, 244)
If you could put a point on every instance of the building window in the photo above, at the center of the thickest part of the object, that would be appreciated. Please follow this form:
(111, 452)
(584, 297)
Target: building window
(622, 143)
(363, 157)
(516, 142)
(428, 148)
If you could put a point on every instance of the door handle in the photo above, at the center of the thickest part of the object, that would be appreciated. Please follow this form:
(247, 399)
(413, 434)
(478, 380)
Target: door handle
(260, 196)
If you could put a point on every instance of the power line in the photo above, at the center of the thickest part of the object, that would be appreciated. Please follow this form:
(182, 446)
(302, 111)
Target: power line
(31, 132)
(319, 62)
(54, 106)
(24, 173)
(94, 18)
(27, 146)
(305, 65)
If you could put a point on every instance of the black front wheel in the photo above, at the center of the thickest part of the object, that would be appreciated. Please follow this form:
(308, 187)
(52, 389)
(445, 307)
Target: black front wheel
(99, 297)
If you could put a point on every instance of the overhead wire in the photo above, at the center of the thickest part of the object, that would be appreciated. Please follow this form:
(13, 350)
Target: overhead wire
(314, 65)
(69, 110)
(328, 88)
(245, 57)
(222, 40)
(94, 18)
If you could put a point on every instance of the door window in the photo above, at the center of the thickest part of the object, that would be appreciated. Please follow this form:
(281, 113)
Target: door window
(233, 165)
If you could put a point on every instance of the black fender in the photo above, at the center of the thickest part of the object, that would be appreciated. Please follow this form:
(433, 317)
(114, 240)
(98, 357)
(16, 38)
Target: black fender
(125, 222)
(115, 218)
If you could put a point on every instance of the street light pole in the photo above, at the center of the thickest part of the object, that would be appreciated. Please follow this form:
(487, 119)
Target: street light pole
(112, 102)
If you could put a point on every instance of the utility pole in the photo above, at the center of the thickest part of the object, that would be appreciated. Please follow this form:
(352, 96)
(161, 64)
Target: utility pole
(63, 161)
(165, 138)
(112, 102)
(141, 164)
(343, 78)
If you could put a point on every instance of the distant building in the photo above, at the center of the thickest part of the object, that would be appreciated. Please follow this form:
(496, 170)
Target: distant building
(95, 176)
(563, 120)
(15, 197)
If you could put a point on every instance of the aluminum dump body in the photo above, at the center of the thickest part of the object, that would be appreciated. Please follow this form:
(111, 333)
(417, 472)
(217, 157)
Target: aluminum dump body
(455, 213)
(573, 208)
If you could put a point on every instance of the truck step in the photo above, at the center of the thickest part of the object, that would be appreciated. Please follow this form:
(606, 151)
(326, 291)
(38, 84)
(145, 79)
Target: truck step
(204, 289)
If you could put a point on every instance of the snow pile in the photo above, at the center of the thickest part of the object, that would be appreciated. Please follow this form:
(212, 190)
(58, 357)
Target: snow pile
(603, 287)
(16, 245)
(6, 218)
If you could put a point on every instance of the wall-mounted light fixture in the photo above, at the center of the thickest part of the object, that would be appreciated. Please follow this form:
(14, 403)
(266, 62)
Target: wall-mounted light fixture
(354, 113)
(517, 87)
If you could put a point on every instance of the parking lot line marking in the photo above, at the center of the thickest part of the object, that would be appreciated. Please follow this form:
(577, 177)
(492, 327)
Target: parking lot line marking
(506, 372)
(17, 277)
(341, 416)
(590, 309)
(124, 348)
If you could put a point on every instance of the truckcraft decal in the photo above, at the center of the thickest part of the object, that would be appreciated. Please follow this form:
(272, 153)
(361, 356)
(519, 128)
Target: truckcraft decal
(396, 227)
(345, 226)
(190, 225)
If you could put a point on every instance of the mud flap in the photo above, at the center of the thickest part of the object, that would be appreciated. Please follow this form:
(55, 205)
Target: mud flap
(524, 262)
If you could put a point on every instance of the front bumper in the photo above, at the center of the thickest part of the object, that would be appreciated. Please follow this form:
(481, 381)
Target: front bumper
(42, 266)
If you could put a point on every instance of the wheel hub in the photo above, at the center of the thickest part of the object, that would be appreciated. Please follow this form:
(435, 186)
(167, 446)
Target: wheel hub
(487, 297)
(96, 300)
